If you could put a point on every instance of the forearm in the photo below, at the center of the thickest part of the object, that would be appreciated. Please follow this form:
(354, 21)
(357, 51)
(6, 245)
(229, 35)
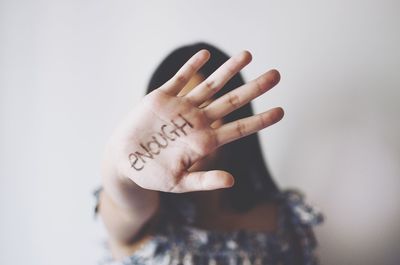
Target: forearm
(125, 208)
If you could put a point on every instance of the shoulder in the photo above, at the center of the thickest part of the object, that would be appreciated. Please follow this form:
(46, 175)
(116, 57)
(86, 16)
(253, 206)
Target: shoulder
(299, 210)
(298, 218)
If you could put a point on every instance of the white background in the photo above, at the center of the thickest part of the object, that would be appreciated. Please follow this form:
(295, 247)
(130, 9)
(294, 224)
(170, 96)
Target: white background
(69, 70)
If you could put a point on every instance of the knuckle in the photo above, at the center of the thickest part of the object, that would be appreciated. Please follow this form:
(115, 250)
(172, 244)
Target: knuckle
(210, 84)
(180, 78)
(241, 128)
(234, 100)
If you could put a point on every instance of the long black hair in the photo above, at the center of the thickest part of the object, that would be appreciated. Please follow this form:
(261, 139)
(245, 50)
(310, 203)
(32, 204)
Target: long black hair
(244, 159)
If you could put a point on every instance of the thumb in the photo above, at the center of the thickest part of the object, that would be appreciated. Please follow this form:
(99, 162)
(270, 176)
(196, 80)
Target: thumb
(203, 180)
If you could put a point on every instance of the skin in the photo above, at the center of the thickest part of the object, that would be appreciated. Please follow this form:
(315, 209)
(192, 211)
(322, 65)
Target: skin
(210, 207)
(131, 197)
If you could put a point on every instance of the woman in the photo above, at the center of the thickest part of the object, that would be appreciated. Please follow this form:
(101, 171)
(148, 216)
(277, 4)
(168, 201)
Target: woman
(184, 180)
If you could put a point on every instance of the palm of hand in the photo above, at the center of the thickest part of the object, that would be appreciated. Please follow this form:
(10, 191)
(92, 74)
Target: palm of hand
(179, 135)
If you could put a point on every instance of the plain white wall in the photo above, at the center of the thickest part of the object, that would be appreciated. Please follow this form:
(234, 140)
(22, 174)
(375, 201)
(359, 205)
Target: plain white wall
(69, 70)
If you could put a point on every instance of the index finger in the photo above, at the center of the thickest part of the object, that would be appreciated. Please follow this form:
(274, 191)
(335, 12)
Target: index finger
(182, 77)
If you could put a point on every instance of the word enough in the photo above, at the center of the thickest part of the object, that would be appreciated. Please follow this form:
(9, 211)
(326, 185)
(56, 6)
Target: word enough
(168, 133)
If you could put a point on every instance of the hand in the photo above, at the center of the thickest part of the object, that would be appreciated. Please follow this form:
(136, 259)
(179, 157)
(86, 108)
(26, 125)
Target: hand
(165, 134)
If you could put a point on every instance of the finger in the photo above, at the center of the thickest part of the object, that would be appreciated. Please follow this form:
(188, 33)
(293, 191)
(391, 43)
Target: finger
(219, 78)
(204, 180)
(241, 96)
(182, 77)
(243, 127)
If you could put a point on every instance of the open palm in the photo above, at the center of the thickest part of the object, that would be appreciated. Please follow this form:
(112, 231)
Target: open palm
(166, 133)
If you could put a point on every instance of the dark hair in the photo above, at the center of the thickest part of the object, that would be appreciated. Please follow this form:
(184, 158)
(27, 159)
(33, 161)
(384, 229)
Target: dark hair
(244, 159)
